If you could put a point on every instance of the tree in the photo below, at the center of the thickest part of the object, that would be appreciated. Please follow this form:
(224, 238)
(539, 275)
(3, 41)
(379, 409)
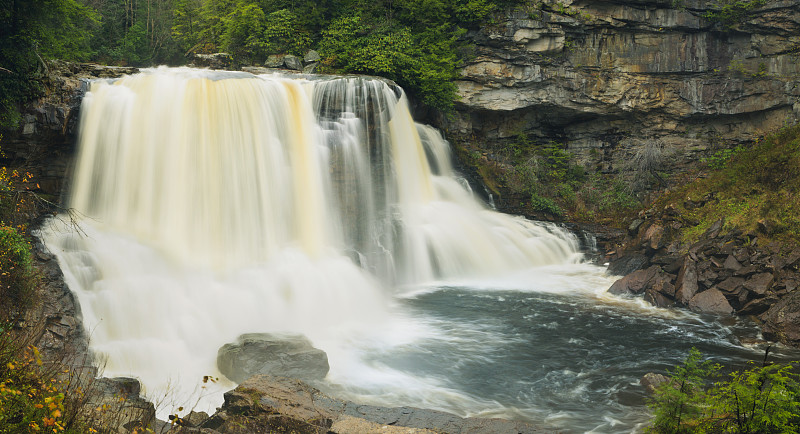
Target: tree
(30, 31)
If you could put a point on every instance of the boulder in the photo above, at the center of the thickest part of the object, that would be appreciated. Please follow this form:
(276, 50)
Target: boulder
(731, 284)
(114, 405)
(311, 68)
(654, 237)
(265, 403)
(731, 263)
(627, 264)
(759, 283)
(711, 301)
(311, 57)
(634, 283)
(782, 320)
(715, 229)
(651, 381)
(657, 298)
(758, 306)
(293, 62)
(275, 61)
(213, 61)
(633, 228)
(686, 284)
(274, 354)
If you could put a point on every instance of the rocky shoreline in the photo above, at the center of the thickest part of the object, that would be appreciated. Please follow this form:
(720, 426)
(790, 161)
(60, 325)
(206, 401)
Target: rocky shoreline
(723, 273)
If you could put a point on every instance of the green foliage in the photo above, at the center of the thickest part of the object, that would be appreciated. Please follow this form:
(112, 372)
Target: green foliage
(721, 158)
(680, 402)
(546, 205)
(732, 12)
(424, 63)
(17, 279)
(29, 32)
(744, 185)
(759, 399)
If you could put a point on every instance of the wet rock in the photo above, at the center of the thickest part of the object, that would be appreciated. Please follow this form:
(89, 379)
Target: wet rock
(782, 320)
(274, 354)
(311, 68)
(627, 264)
(634, 283)
(213, 61)
(758, 306)
(686, 283)
(652, 381)
(275, 61)
(293, 62)
(658, 298)
(265, 404)
(710, 301)
(312, 57)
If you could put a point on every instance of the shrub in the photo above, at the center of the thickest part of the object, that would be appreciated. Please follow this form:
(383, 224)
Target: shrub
(759, 399)
(545, 204)
(17, 279)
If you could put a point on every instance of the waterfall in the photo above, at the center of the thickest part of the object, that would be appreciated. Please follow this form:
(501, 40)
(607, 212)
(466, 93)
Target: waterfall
(221, 203)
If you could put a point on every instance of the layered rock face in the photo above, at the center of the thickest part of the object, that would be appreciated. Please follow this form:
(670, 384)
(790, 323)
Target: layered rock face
(44, 142)
(605, 77)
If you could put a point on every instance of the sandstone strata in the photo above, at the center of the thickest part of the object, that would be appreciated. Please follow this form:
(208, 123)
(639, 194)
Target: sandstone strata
(606, 77)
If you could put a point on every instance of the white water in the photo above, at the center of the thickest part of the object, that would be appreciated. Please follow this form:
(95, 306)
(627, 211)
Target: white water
(219, 204)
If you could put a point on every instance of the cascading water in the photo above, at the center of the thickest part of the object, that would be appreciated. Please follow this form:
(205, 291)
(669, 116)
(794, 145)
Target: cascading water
(219, 204)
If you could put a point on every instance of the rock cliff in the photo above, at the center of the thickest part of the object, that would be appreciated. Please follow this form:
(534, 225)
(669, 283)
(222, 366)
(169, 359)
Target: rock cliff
(604, 77)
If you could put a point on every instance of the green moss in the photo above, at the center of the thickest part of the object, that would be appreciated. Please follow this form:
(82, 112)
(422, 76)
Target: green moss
(761, 182)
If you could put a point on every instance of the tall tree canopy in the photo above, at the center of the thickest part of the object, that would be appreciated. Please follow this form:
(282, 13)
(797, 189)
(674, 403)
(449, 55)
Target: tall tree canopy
(414, 42)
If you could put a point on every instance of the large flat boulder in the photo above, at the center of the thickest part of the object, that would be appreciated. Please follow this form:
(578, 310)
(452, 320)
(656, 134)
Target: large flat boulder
(286, 355)
(266, 403)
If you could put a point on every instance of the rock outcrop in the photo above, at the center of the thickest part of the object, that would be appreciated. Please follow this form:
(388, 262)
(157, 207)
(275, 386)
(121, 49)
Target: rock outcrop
(45, 141)
(275, 404)
(273, 354)
(607, 77)
(723, 273)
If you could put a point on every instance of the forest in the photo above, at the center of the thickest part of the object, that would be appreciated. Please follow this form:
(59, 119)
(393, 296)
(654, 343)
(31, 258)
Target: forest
(414, 42)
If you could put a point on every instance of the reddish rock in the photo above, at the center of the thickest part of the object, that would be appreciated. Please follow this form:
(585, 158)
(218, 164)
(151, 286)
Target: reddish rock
(686, 284)
(758, 306)
(654, 237)
(657, 298)
(759, 283)
(711, 301)
(782, 320)
(731, 284)
(634, 283)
